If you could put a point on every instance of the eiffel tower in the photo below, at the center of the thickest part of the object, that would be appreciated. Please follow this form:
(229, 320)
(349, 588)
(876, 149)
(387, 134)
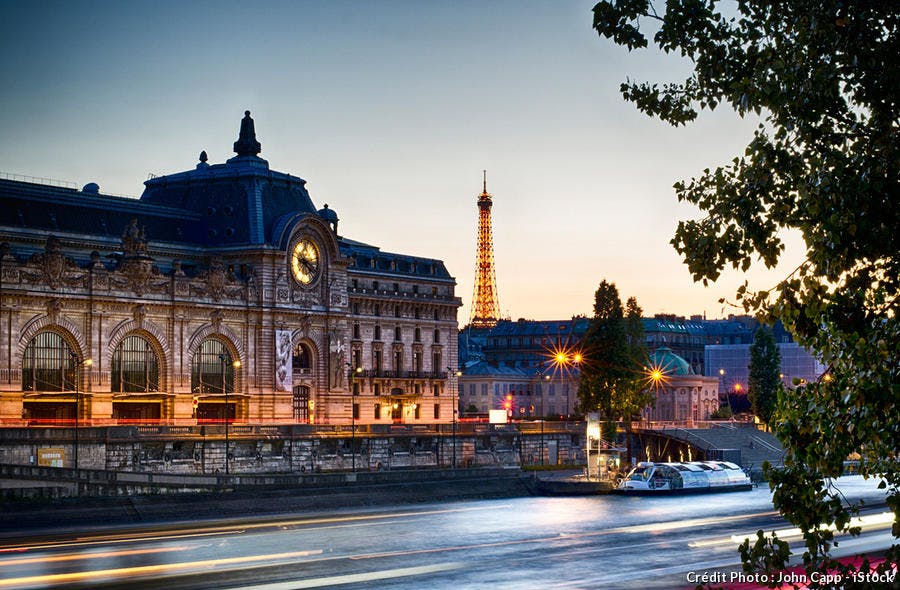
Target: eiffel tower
(485, 301)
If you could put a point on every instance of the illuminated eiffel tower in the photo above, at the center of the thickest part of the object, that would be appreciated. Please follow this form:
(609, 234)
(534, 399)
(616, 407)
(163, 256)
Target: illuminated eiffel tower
(485, 301)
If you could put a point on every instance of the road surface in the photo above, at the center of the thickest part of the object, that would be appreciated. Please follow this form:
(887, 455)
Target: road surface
(584, 542)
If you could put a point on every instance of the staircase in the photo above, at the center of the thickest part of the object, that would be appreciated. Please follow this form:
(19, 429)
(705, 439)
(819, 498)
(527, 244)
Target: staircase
(755, 446)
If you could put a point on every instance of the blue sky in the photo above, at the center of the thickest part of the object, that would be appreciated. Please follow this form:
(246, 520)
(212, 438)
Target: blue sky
(390, 111)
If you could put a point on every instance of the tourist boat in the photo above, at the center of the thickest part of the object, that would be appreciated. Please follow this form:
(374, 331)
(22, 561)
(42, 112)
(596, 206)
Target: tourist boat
(684, 478)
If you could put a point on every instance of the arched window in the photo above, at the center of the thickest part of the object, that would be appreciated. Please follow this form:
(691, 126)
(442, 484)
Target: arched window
(302, 361)
(212, 368)
(135, 367)
(48, 364)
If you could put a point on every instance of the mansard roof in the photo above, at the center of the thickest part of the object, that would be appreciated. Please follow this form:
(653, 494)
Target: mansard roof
(239, 201)
(238, 204)
(368, 258)
(55, 209)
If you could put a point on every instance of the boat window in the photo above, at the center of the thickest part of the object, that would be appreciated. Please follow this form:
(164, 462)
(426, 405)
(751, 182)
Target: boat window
(641, 473)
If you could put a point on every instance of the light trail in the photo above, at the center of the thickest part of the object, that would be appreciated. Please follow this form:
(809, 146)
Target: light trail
(215, 563)
(143, 570)
(168, 535)
(665, 526)
(865, 523)
(80, 556)
(359, 578)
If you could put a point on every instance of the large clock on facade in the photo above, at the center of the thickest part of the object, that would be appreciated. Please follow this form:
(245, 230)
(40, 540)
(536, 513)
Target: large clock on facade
(305, 261)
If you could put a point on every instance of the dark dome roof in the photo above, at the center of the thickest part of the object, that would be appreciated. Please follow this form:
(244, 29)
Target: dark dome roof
(328, 214)
(669, 363)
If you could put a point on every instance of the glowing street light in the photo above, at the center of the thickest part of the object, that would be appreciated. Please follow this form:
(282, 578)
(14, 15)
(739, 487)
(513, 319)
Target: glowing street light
(354, 373)
(236, 364)
(455, 409)
(79, 364)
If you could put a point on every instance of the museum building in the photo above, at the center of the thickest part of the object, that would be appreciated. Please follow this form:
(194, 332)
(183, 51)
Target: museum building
(221, 293)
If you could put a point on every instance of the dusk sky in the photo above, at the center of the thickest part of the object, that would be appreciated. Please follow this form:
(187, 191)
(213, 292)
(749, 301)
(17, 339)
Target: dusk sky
(390, 111)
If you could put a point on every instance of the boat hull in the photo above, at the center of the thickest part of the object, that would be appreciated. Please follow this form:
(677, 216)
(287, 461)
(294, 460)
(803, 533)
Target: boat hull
(682, 491)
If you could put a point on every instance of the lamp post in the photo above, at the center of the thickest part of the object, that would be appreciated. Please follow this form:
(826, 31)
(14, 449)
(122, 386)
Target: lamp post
(353, 373)
(78, 363)
(546, 379)
(224, 358)
(455, 408)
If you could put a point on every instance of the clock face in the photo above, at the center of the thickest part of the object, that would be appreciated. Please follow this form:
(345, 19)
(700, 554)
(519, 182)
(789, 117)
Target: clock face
(305, 261)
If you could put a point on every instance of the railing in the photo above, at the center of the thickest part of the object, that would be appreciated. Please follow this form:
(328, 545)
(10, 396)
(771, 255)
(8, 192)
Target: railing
(283, 431)
(37, 180)
(382, 374)
(700, 424)
(399, 294)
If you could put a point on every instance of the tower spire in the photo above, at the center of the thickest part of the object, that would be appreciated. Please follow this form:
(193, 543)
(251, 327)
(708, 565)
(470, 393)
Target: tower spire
(485, 301)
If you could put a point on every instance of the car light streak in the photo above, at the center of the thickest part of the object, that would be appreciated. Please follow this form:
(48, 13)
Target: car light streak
(78, 556)
(136, 537)
(665, 526)
(168, 534)
(127, 572)
(357, 578)
(865, 523)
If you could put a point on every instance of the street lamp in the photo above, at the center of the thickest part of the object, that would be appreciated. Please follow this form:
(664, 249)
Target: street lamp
(78, 363)
(224, 358)
(545, 379)
(455, 408)
(543, 394)
(354, 372)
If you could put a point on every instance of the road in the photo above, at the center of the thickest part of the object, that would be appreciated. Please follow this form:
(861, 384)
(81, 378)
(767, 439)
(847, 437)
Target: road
(584, 542)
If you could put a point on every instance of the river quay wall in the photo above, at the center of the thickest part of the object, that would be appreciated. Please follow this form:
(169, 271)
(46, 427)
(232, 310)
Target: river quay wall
(125, 460)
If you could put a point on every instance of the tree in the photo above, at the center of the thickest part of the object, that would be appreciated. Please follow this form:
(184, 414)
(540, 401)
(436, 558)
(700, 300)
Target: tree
(765, 374)
(823, 76)
(612, 379)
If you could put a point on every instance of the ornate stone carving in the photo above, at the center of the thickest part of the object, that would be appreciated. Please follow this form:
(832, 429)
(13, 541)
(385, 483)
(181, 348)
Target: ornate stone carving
(10, 270)
(305, 325)
(217, 281)
(134, 239)
(252, 285)
(140, 312)
(54, 306)
(52, 267)
(215, 318)
(181, 284)
(136, 267)
(282, 291)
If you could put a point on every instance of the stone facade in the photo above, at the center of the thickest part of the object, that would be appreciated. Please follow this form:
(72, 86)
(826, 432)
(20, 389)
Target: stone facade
(222, 292)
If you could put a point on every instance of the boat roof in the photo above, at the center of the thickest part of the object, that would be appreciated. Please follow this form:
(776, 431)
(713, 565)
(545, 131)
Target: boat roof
(692, 465)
